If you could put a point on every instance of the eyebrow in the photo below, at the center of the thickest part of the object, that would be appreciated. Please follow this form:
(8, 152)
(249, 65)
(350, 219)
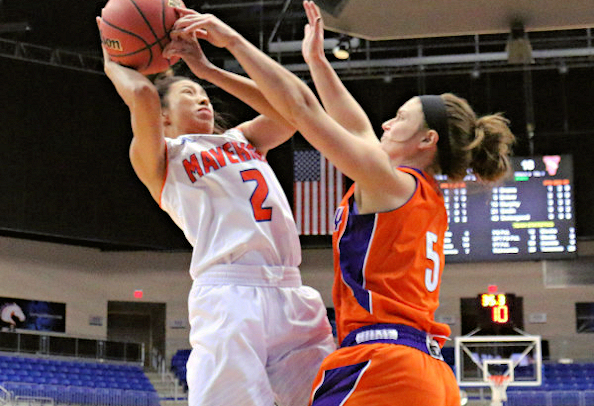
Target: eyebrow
(197, 89)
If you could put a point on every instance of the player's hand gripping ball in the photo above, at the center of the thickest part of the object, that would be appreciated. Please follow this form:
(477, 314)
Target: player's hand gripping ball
(134, 32)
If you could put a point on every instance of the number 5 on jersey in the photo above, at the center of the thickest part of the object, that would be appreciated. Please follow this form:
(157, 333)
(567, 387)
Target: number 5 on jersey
(431, 274)
(260, 193)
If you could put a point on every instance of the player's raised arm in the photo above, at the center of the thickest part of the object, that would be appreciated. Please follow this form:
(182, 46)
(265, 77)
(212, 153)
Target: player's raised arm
(264, 132)
(147, 150)
(337, 100)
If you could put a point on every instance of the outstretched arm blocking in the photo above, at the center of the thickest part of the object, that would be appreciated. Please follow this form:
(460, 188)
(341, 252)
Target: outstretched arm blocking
(364, 162)
(337, 100)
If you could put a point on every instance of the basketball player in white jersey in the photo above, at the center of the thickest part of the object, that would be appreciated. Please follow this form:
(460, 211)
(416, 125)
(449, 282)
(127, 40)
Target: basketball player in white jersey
(258, 336)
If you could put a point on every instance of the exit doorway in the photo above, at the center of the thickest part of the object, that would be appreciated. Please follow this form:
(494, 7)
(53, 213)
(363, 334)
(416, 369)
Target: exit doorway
(138, 323)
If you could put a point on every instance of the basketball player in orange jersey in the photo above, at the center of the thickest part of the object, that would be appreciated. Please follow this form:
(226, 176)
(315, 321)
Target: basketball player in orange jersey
(388, 239)
(257, 334)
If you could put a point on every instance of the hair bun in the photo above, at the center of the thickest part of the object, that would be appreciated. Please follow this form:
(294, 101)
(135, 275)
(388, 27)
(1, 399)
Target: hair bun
(491, 147)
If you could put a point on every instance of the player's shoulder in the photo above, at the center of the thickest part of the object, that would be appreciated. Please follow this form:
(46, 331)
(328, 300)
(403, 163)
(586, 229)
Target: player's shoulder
(235, 134)
(426, 185)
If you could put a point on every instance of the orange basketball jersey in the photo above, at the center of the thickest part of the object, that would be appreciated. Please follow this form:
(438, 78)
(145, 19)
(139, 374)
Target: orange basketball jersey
(387, 266)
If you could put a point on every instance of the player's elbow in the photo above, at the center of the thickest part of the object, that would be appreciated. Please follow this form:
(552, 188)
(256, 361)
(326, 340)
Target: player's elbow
(144, 96)
(145, 92)
(302, 108)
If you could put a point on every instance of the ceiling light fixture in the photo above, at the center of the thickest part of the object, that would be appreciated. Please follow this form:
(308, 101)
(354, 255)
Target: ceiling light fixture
(342, 49)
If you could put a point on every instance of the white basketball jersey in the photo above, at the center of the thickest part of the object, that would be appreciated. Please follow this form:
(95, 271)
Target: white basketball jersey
(227, 200)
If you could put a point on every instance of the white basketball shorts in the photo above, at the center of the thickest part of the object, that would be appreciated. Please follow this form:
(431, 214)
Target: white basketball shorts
(255, 345)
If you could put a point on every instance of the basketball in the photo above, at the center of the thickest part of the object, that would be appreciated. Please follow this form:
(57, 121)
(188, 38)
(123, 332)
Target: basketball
(135, 32)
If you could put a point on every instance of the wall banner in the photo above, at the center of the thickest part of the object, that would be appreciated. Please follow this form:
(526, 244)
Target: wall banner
(32, 315)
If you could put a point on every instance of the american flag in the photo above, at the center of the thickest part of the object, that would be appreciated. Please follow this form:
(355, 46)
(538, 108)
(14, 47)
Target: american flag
(318, 190)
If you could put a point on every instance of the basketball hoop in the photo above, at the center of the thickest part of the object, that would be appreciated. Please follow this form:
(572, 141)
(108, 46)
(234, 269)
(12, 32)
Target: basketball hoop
(498, 384)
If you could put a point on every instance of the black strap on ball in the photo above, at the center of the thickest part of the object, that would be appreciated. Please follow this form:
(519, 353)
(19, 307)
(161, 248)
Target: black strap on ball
(436, 118)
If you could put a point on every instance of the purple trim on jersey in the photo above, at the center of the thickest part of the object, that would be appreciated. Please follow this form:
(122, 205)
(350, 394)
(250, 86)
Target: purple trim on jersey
(338, 384)
(266, 210)
(353, 247)
(420, 172)
(383, 333)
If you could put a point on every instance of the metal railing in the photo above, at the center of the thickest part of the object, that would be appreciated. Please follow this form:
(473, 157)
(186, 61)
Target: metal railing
(159, 364)
(5, 396)
(50, 345)
(471, 54)
(38, 394)
(33, 401)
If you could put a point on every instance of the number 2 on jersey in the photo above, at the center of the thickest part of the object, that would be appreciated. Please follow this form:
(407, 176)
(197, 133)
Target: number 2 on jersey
(261, 213)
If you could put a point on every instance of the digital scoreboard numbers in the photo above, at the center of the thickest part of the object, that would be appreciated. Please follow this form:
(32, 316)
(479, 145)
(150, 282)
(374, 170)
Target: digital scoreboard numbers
(497, 307)
(527, 217)
(497, 312)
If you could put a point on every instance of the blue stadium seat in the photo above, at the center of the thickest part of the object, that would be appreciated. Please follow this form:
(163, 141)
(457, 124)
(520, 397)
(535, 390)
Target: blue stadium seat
(524, 371)
(22, 389)
(588, 398)
(80, 395)
(79, 382)
(527, 398)
(178, 365)
(565, 398)
(53, 381)
(110, 397)
(49, 391)
(42, 380)
(99, 372)
(153, 399)
(135, 398)
(10, 386)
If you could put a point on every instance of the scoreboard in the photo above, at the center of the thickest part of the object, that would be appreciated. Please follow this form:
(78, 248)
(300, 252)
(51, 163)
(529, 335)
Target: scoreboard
(530, 216)
(497, 309)
(492, 313)
(498, 313)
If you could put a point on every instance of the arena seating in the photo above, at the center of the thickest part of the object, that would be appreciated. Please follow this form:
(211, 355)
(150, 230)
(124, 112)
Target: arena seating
(563, 384)
(550, 398)
(77, 382)
(178, 366)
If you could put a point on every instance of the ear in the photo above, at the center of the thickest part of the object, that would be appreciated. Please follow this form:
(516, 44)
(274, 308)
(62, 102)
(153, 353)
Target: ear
(429, 139)
(165, 117)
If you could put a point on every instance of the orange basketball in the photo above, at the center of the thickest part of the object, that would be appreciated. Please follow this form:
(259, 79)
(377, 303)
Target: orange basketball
(134, 32)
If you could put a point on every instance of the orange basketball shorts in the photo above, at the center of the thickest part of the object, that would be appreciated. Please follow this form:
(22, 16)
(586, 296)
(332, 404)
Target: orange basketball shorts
(384, 374)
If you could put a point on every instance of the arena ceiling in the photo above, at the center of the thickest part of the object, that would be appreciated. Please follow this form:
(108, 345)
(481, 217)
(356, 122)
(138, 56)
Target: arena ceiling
(396, 37)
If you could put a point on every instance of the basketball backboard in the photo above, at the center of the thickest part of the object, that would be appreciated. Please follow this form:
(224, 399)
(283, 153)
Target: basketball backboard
(518, 357)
